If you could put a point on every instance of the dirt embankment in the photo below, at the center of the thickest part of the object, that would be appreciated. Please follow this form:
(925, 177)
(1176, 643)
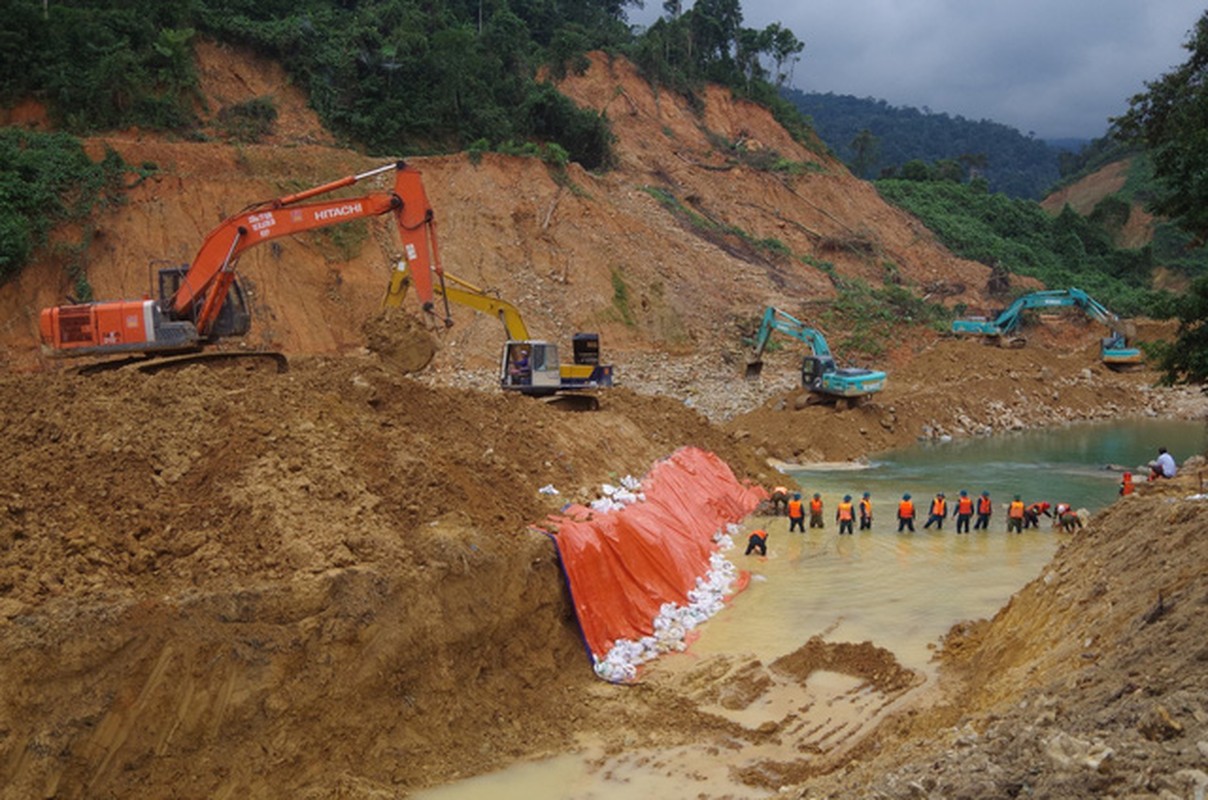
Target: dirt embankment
(253, 583)
(1091, 683)
(323, 584)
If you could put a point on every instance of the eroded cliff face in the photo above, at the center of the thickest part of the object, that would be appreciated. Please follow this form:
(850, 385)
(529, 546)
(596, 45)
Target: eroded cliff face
(706, 219)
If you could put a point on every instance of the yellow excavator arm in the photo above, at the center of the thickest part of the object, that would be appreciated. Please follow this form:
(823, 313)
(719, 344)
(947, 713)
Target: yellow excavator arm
(463, 293)
(527, 365)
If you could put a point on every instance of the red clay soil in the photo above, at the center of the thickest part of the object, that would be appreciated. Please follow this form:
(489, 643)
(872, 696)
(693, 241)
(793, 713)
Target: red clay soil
(323, 583)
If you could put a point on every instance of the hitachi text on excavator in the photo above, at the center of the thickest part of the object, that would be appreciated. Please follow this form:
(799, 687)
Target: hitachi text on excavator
(203, 302)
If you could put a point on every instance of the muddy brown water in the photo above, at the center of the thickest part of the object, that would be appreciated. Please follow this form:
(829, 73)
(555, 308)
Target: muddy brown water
(900, 591)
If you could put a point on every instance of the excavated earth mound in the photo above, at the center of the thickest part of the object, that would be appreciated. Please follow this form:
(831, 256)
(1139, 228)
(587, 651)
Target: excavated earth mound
(247, 582)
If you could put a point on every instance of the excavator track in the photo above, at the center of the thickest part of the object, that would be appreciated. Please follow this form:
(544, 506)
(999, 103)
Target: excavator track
(248, 359)
(574, 402)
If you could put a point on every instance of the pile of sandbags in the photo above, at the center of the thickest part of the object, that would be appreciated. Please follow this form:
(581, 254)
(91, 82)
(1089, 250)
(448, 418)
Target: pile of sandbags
(674, 622)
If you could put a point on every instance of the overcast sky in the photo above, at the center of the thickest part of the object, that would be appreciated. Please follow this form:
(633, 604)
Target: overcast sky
(1056, 68)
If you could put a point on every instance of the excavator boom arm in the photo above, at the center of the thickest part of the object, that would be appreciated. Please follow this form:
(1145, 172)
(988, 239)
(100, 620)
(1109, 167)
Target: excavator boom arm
(203, 288)
(776, 320)
(463, 293)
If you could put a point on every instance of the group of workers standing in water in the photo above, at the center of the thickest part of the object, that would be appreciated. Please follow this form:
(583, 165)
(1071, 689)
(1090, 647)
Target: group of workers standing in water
(970, 513)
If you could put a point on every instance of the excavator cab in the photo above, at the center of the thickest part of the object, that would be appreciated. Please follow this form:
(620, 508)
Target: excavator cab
(531, 367)
(234, 319)
(813, 368)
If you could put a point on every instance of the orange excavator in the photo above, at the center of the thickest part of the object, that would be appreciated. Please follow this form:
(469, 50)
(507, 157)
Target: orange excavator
(203, 302)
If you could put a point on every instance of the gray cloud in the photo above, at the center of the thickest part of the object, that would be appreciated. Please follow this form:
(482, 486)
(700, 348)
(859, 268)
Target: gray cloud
(1053, 67)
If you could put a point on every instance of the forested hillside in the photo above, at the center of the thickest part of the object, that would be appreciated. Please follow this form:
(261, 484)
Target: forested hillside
(1015, 164)
(397, 76)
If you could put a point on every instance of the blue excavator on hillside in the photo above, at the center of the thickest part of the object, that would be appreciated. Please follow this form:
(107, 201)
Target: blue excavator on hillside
(1114, 350)
(825, 381)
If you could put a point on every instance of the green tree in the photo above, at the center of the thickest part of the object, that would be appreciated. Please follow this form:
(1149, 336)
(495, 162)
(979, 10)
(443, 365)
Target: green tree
(916, 170)
(784, 48)
(865, 148)
(948, 169)
(1186, 360)
(1170, 119)
(975, 163)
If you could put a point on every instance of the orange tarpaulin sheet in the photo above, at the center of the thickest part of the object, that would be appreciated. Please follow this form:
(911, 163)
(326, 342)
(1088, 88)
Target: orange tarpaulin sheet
(623, 565)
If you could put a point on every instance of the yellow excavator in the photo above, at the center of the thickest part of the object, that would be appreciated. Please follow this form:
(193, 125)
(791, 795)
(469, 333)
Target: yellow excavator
(528, 366)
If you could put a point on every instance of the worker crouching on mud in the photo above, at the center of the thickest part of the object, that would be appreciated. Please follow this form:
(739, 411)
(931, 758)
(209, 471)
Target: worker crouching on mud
(1126, 484)
(964, 512)
(796, 514)
(757, 542)
(816, 512)
(1015, 514)
(1032, 514)
(780, 501)
(906, 514)
(866, 512)
(938, 513)
(845, 515)
(1068, 520)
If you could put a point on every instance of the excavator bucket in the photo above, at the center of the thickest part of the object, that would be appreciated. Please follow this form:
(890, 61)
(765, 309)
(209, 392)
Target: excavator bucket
(754, 367)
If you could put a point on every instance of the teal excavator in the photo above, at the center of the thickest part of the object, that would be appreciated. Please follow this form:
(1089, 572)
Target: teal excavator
(1114, 349)
(825, 380)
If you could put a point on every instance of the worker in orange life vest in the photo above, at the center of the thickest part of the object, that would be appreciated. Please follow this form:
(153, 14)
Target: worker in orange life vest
(780, 500)
(1015, 513)
(796, 514)
(816, 512)
(845, 515)
(906, 514)
(866, 512)
(757, 541)
(938, 513)
(1031, 515)
(964, 512)
(984, 509)
(1126, 484)
(1068, 519)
